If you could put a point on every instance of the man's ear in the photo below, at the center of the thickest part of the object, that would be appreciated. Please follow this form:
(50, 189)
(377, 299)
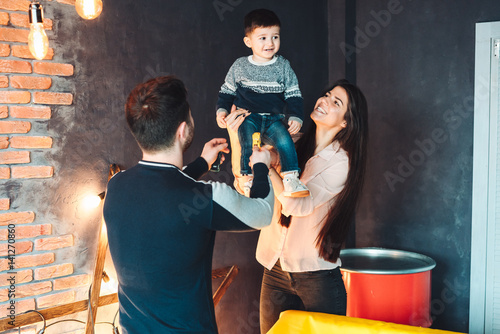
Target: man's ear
(181, 133)
(247, 41)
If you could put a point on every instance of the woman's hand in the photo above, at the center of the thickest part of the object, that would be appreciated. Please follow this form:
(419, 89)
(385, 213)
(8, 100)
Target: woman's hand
(235, 118)
(275, 158)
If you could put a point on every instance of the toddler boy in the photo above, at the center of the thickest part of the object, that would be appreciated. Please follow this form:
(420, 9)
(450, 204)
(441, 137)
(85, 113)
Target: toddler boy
(264, 84)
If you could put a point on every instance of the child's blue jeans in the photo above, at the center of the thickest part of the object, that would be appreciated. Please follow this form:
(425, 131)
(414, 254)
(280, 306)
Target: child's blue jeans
(273, 132)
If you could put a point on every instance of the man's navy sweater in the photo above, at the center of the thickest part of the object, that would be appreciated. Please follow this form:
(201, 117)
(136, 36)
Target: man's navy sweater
(161, 227)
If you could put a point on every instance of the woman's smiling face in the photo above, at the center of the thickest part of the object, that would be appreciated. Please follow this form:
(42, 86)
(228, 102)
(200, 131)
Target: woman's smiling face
(330, 109)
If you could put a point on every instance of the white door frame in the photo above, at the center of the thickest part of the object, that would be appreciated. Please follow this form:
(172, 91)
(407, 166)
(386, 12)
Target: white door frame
(484, 174)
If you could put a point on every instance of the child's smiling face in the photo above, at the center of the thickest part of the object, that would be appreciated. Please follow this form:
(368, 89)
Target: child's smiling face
(264, 42)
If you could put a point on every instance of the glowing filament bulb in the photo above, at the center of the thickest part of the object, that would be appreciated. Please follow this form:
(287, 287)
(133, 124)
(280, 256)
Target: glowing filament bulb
(88, 9)
(92, 201)
(37, 39)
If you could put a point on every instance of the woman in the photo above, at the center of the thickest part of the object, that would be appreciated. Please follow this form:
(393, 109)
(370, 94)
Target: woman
(300, 250)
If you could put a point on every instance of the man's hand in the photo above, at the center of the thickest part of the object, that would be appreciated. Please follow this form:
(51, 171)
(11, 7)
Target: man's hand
(212, 148)
(260, 155)
(221, 119)
(294, 127)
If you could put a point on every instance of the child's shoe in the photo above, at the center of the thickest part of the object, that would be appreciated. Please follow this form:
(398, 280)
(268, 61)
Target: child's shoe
(293, 186)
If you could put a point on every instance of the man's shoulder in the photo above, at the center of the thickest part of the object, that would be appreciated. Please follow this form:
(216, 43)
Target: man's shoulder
(146, 172)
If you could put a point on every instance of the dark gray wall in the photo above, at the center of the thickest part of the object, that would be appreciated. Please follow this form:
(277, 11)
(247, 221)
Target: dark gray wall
(136, 40)
(416, 68)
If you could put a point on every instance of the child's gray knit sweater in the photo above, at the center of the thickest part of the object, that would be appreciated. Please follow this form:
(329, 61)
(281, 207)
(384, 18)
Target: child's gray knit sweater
(262, 88)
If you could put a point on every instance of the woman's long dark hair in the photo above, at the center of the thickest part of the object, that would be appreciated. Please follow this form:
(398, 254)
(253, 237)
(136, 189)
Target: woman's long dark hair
(353, 139)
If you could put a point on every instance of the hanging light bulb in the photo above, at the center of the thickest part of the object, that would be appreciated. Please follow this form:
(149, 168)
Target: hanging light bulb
(88, 9)
(92, 201)
(37, 39)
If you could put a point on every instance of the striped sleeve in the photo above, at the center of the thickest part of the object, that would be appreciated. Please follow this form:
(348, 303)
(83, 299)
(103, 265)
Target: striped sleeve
(293, 96)
(227, 92)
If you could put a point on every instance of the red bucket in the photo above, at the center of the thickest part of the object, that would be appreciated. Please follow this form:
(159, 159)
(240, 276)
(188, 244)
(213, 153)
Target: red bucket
(388, 285)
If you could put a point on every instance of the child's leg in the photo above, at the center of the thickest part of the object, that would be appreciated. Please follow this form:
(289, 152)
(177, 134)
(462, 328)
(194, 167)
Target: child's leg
(250, 125)
(277, 135)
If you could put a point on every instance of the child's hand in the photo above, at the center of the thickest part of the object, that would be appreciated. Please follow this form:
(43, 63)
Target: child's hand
(221, 119)
(294, 127)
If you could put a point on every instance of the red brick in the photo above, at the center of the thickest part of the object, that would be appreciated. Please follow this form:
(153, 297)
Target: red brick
(4, 203)
(26, 261)
(30, 112)
(4, 112)
(22, 276)
(4, 81)
(15, 5)
(71, 282)
(56, 299)
(29, 82)
(22, 247)
(21, 306)
(22, 20)
(14, 157)
(53, 98)
(68, 2)
(27, 290)
(4, 265)
(4, 143)
(32, 172)
(14, 35)
(54, 271)
(29, 231)
(23, 51)
(53, 69)
(30, 142)
(54, 242)
(16, 218)
(4, 18)
(4, 173)
(14, 127)
(14, 97)
(15, 66)
(4, 50)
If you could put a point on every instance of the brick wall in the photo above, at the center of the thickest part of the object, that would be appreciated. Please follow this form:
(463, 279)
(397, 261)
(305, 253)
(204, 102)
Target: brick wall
(26, 96)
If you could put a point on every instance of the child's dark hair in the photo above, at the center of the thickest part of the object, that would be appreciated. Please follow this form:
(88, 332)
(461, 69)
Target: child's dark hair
(260, 18)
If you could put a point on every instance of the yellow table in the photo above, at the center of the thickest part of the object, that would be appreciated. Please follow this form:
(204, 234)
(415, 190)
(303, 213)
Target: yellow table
(301, 322)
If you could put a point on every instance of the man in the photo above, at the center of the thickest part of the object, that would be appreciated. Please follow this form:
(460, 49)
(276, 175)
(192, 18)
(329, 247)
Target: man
(161, 222)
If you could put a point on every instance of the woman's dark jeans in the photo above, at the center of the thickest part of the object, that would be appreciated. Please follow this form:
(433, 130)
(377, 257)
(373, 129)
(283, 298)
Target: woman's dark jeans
(273, 132)
(314, 291)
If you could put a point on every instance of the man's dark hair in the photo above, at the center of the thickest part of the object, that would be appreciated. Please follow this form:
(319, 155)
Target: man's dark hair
(260, 18)
(154, 111)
